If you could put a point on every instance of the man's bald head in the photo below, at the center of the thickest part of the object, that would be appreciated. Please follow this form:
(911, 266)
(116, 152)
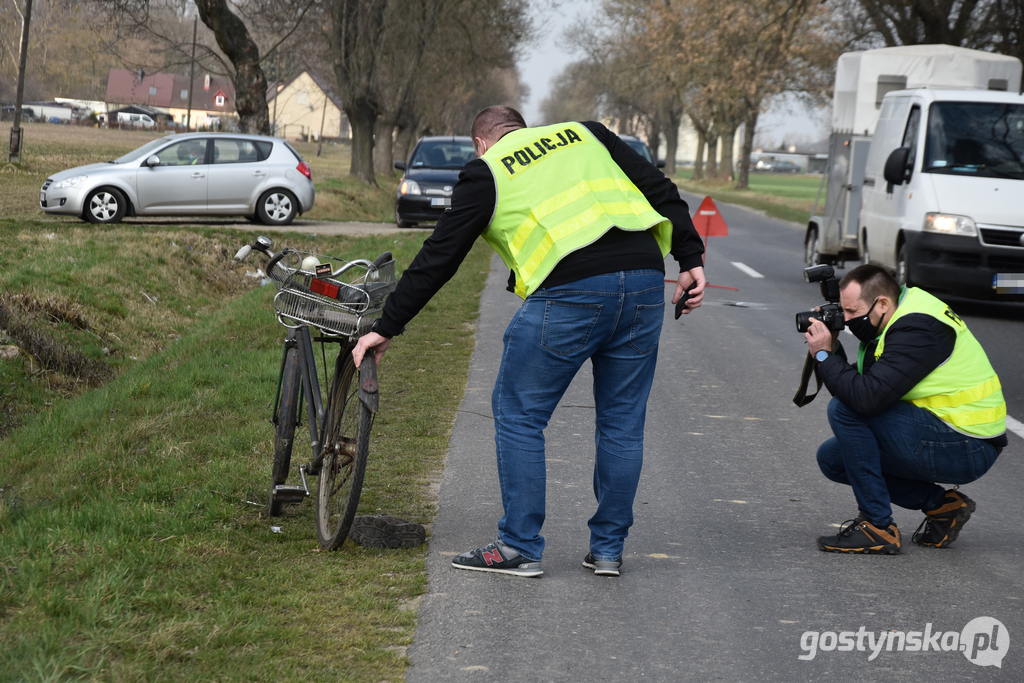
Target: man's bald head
(493, 122)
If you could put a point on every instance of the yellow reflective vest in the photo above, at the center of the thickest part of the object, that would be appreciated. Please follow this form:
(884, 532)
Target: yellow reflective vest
(964, 392)
(558, 190)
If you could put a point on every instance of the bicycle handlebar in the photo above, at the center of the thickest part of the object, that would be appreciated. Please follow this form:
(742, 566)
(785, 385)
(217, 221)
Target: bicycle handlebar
(263, 244)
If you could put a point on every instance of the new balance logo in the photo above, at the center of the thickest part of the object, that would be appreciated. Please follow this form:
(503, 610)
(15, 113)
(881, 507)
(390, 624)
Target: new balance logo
(492, 556)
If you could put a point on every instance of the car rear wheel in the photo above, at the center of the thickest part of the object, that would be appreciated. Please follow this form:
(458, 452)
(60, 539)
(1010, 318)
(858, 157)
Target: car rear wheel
(277, 207)
(105, 205)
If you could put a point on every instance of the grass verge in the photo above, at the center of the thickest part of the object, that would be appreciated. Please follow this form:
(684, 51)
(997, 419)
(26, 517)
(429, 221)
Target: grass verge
(133, 542)
(789, 198)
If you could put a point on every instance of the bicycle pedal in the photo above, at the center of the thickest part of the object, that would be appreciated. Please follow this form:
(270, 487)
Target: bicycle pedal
(288, 493)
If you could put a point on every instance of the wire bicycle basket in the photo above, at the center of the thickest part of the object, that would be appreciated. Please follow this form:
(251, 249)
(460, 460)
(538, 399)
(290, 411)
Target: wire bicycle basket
(339, 298)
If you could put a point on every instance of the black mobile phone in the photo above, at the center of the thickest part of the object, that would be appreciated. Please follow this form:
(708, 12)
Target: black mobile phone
(682, 300)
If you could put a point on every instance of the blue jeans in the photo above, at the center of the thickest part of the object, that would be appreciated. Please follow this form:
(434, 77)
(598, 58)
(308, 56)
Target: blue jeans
(896, 456)
(615, 321)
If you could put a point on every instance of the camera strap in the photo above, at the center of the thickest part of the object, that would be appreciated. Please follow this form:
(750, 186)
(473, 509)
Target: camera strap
(810, 366)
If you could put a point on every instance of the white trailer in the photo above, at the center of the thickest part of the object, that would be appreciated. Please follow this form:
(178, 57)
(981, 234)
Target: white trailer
(863, 82)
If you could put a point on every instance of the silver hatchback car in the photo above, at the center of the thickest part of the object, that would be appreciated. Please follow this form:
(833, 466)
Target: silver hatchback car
(195, 174)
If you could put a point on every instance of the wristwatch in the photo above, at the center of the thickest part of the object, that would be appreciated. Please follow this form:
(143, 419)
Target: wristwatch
(820, 356)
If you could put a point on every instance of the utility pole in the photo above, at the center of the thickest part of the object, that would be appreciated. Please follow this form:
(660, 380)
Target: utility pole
(14, 150)
(320, 138)
(277, 89)
(191, 75)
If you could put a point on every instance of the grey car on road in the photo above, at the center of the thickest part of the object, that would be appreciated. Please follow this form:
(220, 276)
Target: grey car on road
(195, 174)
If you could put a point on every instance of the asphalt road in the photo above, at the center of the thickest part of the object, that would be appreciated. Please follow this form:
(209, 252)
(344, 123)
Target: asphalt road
(721, 579)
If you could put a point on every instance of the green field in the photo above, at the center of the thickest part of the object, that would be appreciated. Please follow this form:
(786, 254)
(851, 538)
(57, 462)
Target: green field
(138, 365)
(789, 197)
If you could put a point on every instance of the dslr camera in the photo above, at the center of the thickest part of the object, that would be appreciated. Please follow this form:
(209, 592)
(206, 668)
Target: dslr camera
(830, 313)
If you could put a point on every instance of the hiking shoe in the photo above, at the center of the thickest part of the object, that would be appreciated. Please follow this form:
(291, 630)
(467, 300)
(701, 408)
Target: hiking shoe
(861, 536)
(385, 531)
(602, 567)
(497, 557)
(942, 525)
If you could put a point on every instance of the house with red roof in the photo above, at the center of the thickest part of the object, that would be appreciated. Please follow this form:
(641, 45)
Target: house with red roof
(213, 97)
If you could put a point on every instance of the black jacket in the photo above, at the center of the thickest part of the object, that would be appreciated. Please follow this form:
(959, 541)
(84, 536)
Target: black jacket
(915, 345)
(473, 203)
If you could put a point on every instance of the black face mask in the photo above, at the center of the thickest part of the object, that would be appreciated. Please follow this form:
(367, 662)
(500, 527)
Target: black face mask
(863, 328)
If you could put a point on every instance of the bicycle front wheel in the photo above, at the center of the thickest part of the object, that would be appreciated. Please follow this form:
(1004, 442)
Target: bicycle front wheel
(284, 429)
(346, 447)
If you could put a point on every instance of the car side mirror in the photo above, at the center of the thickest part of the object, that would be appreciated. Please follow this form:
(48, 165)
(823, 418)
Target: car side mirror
(153, 160)
(400, 165)
(660, 163)
(895, 172)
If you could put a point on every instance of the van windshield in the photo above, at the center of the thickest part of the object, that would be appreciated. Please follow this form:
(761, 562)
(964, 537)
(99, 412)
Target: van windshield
(983, 139)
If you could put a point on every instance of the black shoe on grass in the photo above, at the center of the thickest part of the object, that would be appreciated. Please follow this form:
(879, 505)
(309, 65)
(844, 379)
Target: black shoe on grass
(602, 567)
(385, 531)
(861, 536)
(497, 557)
(942, 525)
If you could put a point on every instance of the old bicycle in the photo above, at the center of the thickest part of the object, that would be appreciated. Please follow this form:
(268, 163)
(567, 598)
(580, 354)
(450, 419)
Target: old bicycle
(324, 300)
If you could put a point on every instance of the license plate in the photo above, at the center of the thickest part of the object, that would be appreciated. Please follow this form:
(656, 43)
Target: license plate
(440, 201)
(1008, 283)
(42, 197)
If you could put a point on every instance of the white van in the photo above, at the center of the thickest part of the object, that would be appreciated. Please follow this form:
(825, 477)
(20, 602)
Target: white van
(931, 186)
(943, 189)
(126, 120)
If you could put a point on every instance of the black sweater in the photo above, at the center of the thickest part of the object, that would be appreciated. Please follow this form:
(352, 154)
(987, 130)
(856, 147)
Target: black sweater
(915, 345)
(473, 205)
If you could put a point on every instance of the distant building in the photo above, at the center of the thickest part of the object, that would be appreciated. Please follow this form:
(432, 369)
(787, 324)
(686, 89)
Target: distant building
(48, 112)
(305, 105)
(213, 97)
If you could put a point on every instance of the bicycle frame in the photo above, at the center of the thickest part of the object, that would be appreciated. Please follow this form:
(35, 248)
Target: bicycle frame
(316, 416)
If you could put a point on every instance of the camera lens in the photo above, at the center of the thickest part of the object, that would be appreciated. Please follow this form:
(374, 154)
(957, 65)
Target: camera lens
(803, 320)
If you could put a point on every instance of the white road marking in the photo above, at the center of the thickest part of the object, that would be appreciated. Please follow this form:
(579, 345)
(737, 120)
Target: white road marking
(747, 269)
(1015, 426)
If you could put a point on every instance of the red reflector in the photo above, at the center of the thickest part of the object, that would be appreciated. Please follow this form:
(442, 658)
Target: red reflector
(324, 287)
(304, 169)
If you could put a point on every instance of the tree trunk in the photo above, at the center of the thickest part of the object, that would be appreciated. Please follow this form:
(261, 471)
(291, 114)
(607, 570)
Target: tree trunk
(698, 161)
(361, 117)
(383, 148)
(749, 128)
(712, 172)
(728, 142)
(403, 143)
(654, 139)
(671, 147)
(250, 83)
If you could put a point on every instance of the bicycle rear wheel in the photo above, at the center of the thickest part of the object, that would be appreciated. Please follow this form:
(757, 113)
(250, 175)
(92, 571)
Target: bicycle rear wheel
(284, 430)
(346, 447)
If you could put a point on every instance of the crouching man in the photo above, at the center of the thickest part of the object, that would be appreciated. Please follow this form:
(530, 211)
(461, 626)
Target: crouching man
(920, 405)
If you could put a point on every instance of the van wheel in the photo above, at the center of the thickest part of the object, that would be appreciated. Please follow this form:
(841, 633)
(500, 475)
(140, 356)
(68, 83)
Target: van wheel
(811, 255)
(105, 205)
(865, 255)
(903, 268)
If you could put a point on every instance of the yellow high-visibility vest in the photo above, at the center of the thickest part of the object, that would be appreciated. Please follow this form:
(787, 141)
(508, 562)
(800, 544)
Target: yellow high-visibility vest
(558, 190)
(964, 392)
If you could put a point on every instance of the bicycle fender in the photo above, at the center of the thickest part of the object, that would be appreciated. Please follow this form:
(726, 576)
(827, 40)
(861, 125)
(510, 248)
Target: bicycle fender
(368, 395)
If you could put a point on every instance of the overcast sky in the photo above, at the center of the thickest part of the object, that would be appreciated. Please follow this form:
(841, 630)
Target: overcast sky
(544, 61)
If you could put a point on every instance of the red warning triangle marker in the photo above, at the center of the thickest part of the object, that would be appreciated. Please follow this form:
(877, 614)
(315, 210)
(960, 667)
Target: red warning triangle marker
(709, 221)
